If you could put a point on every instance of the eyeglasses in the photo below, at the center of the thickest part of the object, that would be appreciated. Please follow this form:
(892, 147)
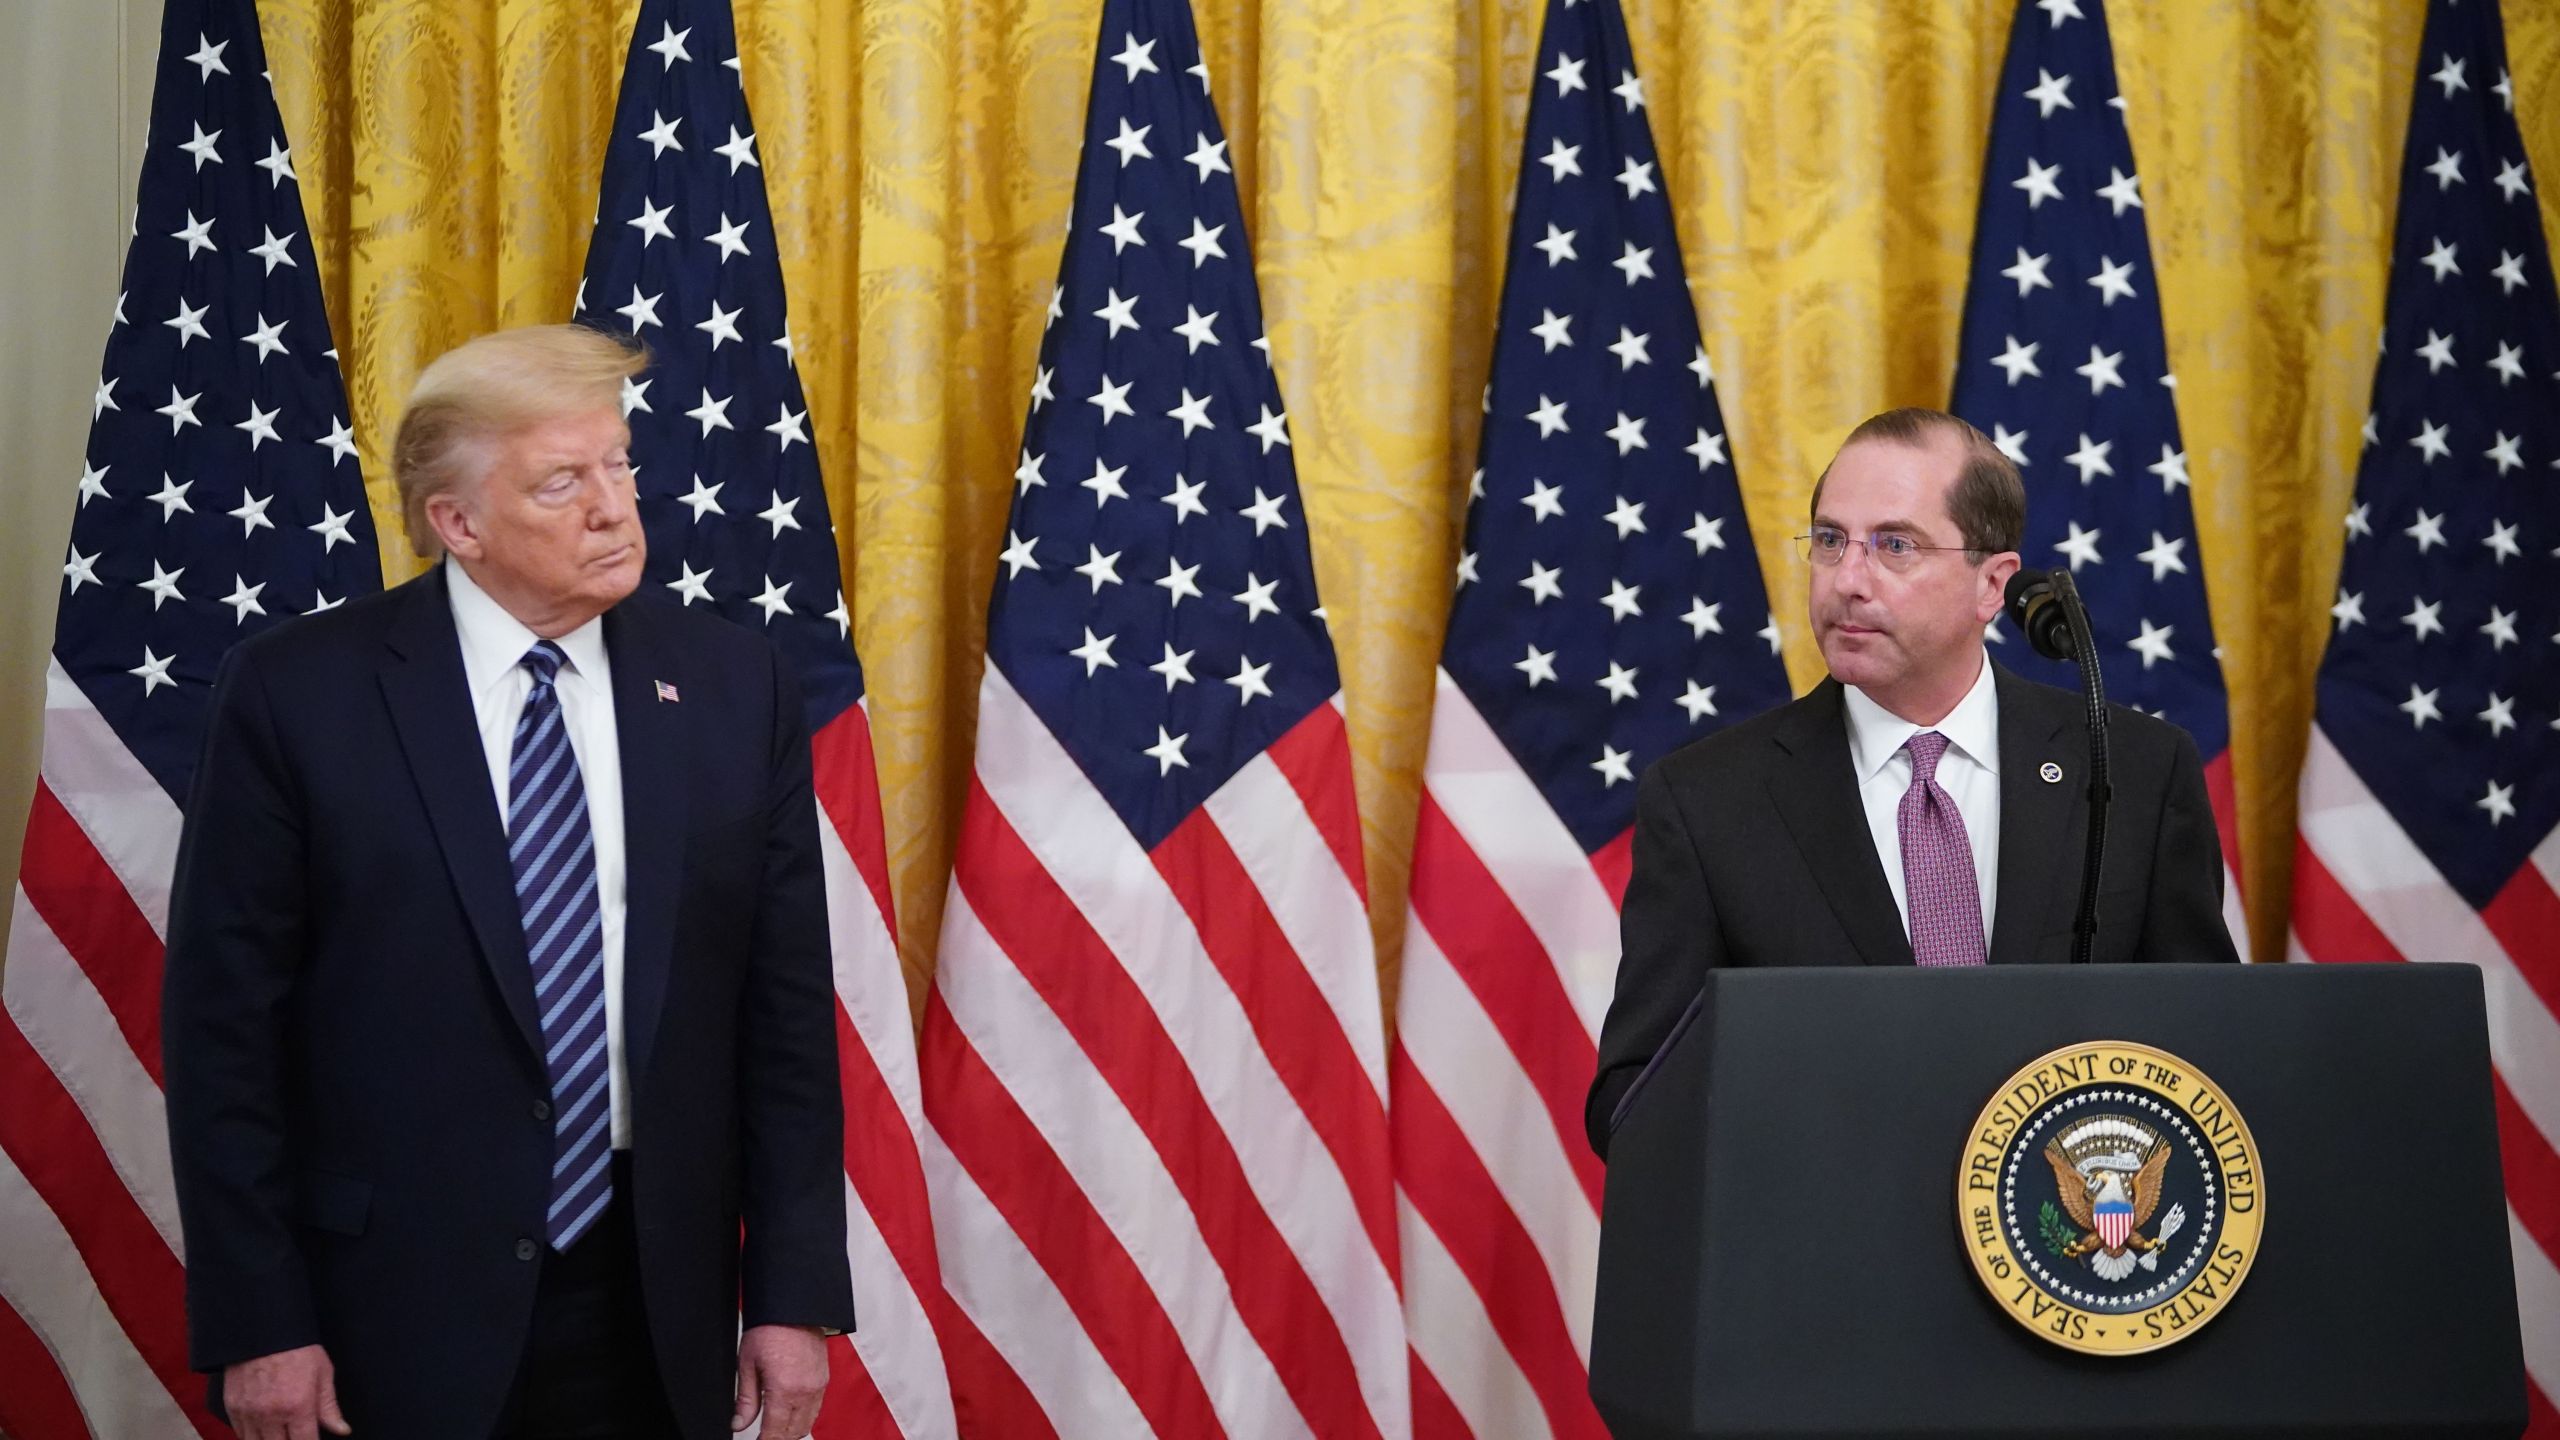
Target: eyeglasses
(1828, 545)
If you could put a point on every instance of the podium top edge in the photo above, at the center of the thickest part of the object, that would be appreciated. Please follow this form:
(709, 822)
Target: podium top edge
(2457, 974)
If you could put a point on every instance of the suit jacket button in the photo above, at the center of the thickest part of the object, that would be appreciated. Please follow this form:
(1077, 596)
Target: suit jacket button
(541, 1109)
(526, 1250)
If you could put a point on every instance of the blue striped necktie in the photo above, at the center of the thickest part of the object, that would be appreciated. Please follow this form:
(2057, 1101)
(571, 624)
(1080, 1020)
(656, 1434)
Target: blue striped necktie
(554, 855)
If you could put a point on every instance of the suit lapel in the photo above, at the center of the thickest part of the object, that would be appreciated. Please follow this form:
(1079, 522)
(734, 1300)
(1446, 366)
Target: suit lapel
(2039, 867)
(651, 735)
(440, 736)
(1817, 794)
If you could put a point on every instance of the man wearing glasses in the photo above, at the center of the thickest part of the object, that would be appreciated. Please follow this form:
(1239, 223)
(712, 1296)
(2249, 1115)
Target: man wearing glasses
(1920, 806)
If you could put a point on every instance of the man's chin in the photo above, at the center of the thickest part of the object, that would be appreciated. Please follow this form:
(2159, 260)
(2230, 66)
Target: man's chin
(613, 582)
(1853, 658)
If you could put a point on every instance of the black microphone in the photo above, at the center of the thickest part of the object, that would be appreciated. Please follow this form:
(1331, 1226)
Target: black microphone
(2046, 605)
(2035, 605)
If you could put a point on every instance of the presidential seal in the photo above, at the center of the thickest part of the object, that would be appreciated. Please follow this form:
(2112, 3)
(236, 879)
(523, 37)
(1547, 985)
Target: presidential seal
(2111, 1198)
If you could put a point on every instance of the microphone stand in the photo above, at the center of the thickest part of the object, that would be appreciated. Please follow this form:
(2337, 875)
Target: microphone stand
(2084, 653)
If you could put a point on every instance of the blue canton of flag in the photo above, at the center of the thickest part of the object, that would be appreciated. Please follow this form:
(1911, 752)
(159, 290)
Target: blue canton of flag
(1158, 606)
(2439, 685)
(222, 491)
(684, 259)
(2064, 363)
(1609, 605)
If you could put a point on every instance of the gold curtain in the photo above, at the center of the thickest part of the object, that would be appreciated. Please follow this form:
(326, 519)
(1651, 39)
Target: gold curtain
(1823, 155)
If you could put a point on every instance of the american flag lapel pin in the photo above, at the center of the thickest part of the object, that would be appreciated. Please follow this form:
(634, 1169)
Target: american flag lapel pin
(666, 692)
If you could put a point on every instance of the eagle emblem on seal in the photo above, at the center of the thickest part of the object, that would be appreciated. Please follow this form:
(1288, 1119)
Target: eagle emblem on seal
(2109, 1168)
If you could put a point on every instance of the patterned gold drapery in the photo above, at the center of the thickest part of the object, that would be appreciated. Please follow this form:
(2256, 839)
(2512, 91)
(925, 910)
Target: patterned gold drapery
(1823, 156)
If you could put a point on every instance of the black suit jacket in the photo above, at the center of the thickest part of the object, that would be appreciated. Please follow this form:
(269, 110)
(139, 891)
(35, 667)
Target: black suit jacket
(1752, 848)
(353, 1059)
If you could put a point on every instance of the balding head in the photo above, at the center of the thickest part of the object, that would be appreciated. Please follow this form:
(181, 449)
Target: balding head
(1988, 501)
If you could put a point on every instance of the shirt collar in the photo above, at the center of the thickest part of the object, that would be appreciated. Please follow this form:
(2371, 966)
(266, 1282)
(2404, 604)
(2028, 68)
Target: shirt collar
(1877, 734)
(494, 642)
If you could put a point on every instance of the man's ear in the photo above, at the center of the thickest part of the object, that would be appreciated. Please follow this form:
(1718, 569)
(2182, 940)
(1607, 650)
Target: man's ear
(1994, 595)
(455, 525)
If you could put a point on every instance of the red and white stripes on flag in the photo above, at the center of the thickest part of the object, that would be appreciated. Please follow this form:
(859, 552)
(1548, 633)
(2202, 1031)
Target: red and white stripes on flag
(1155, 1084)
(886, 1381)
(1154, 1057)
(93, 1332)
(2429, 822)
(2363, 891)
(2223, 794)
(740, 502)
(1546, 714)
(1510, 953)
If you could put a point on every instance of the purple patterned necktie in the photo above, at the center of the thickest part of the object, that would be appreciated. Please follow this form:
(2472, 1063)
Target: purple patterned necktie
(1937, 864)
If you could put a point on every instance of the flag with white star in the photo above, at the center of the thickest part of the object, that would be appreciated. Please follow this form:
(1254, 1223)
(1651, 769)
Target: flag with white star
(221, 495)
(683, 260)
(686, 260)
(2065, 364)
(2431, 791)
(1609, 610)
(1154, 1056)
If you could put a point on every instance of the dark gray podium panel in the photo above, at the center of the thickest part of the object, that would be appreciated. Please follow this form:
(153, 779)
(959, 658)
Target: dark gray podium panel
(1780, 1255)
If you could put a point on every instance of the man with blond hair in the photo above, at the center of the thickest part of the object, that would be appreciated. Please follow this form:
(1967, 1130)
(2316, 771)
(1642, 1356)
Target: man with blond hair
(1920, 806)
(498, 1019)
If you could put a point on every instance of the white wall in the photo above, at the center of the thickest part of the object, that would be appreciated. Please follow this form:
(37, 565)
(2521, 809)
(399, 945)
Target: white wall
(75, 100)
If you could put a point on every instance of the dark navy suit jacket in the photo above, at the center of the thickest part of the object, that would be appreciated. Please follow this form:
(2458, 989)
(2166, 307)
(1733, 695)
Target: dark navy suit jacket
(1752, 848)
(354, 1064)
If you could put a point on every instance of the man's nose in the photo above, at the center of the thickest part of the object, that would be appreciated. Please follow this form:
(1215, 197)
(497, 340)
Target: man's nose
(1855, 572)
(613, 505)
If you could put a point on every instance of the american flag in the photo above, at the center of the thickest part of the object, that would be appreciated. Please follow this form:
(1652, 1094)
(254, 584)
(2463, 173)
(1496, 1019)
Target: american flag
(2432, 789)
(1609, 610)
(2065, 364)
(685, 258)
(221, 494)
(1153, 1055)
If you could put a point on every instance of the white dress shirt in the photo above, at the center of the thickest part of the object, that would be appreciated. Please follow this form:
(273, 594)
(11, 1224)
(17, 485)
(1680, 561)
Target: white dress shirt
(1969, 772)
(493, 648)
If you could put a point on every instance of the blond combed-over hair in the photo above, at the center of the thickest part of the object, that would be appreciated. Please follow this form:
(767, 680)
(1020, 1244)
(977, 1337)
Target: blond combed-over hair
(485, 389)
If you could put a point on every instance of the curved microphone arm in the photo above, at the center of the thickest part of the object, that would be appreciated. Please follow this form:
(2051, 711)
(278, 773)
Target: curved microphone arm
(2084, 652)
